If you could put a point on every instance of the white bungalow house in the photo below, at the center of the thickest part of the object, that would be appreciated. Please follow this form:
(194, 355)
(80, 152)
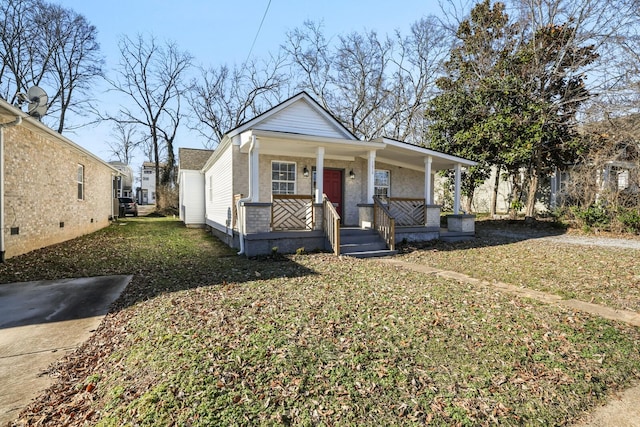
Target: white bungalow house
(191, 182)
(294, 177)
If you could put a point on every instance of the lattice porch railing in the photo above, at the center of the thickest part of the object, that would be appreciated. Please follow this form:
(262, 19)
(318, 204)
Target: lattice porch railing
(408, 212)
(291, 212)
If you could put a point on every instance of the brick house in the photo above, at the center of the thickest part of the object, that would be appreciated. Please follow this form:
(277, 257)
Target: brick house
(294, 177)
(51, 189)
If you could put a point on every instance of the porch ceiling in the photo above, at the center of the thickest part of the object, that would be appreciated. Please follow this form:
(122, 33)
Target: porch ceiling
(388, 151)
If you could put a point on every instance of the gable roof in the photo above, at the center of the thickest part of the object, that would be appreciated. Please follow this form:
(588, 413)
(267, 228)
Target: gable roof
(300, 114)
(193, 158)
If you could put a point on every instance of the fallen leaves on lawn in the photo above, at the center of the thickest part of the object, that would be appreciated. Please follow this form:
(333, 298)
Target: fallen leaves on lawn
(204, 340)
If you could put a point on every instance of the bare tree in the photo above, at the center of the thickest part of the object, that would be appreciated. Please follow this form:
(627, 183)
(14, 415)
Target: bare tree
(125, 141)
(152, 76)
(417, 66)
(607, 177)
(75, 62)
(25, 58)
(223, 98)
(376, 86)
(46, 44)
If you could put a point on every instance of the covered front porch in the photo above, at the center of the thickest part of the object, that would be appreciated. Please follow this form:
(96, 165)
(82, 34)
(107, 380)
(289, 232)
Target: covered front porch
(382, 185)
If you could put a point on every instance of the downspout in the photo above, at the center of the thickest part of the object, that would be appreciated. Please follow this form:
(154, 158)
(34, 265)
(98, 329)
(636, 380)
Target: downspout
(16, 122)
(249, 197)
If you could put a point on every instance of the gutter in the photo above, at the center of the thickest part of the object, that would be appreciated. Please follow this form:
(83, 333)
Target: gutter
(249, 197)
(16, 122)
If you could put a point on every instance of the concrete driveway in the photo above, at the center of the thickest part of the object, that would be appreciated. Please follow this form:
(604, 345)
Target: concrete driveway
(42, 321)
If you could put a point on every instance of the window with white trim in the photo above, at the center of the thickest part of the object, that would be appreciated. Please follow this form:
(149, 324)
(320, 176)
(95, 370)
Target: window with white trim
(80, 181)
(283, 178)
(211, 188)
(382, 184)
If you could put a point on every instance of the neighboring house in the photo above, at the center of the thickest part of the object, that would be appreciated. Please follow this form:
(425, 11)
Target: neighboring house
(51, 190)
(191, 182)
(124, 185)
(294, 177)
(146, 193)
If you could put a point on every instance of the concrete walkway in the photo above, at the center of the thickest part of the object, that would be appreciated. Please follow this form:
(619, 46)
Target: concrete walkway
(622, 410)
(40, 322)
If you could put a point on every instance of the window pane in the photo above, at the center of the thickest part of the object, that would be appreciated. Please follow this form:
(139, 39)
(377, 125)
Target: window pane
(382, 179)
(283, 177)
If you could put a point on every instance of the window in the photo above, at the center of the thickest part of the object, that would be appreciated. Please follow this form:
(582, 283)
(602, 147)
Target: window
(381, 184)
(211, 188)
(148, 172)
(283, 178)
(80, 179)
(623, 180)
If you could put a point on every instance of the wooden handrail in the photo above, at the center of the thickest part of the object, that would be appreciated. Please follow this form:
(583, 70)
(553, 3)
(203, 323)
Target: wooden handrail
(384, 223)
(331, 224)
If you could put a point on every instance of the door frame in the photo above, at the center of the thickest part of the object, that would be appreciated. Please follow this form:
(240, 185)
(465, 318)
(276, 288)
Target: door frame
(342, 185)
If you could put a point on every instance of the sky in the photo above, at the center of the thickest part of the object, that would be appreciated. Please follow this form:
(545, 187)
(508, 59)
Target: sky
(222, 32)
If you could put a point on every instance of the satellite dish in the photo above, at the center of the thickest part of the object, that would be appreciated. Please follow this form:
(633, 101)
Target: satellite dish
(37, 99)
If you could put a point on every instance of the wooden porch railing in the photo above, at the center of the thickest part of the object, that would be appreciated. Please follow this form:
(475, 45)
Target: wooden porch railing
(408, 212)
(384, 223)
(291, 212)
(331, 224)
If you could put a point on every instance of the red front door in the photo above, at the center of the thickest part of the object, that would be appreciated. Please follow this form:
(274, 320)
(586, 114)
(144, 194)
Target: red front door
(332, 186)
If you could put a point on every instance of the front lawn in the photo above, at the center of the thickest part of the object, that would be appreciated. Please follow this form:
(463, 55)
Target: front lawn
(602, 275)
(203, 337)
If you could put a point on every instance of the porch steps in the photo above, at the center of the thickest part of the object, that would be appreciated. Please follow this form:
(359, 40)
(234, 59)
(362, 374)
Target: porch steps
(362, 243)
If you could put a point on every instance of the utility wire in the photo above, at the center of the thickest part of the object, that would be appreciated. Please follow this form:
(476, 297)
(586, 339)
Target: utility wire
(258, 32)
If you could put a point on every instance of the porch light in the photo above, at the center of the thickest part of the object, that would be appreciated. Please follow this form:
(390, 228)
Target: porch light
(305, 172)
(352, 174)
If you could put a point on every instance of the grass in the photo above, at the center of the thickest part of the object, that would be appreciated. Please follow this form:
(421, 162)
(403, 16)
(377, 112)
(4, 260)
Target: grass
(201, 337)
(603, 275)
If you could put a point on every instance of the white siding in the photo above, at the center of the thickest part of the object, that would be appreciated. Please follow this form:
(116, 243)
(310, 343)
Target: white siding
(300, 118)
(219, 190)
(192, 197)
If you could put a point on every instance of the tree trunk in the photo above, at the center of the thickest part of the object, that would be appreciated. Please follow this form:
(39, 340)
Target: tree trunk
(494, 195)
(530, 210)
(515, 196)
(157, 186)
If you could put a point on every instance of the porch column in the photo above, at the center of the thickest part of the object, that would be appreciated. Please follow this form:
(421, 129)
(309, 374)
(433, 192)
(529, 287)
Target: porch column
(371, 174)
(319, 174)
(254, 172)
(427, 180)
(456, 195)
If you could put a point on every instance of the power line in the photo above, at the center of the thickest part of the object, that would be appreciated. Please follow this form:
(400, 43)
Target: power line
(258, 32)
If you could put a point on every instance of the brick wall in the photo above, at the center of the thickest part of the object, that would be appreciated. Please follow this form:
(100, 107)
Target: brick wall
(257, 217)
(41, 191)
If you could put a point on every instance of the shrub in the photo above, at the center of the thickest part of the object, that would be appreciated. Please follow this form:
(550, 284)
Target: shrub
(594, 216)
(630, 219)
